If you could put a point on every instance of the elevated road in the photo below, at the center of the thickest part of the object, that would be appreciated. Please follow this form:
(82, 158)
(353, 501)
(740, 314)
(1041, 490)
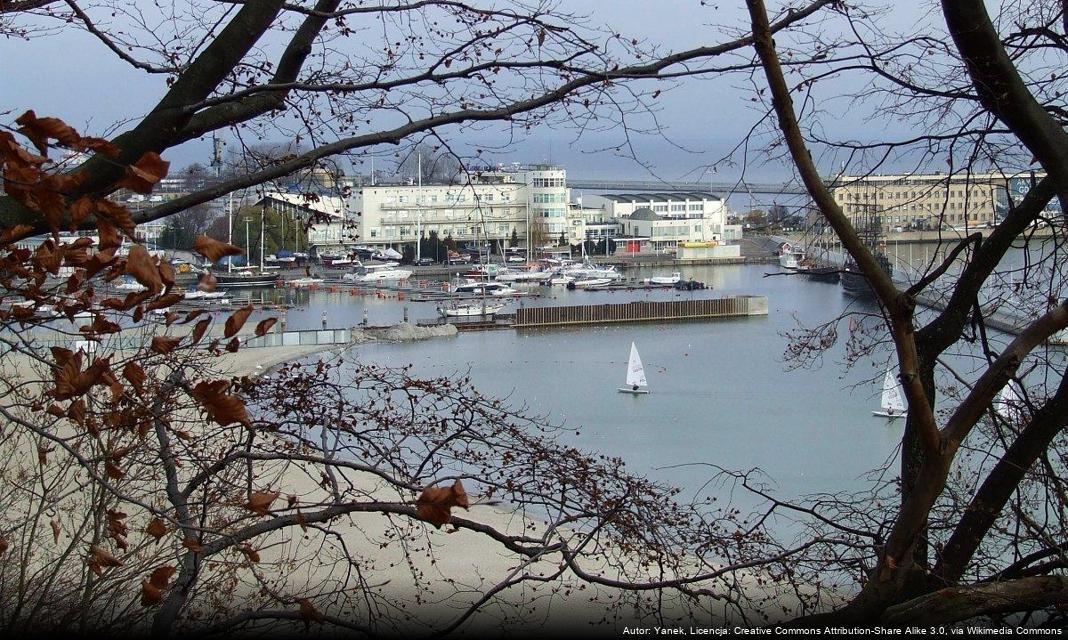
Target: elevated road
(657, 186)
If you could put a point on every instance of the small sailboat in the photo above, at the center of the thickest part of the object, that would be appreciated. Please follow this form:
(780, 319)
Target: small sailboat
(636, 383)
(892, 403)
(1009, 403)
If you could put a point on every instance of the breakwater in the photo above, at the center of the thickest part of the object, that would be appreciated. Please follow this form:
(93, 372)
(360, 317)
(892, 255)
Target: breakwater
(641, 311)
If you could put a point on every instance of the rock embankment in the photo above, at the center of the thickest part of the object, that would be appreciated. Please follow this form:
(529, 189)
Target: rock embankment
(403, 332)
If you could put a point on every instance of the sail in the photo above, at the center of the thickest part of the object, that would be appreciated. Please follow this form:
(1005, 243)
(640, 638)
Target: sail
(1009, 403)
(635, 370)
(893, 400)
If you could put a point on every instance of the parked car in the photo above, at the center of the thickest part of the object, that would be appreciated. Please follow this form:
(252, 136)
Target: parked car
(423, 262)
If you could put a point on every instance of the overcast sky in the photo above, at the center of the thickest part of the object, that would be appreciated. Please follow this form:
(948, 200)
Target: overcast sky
(75, 78)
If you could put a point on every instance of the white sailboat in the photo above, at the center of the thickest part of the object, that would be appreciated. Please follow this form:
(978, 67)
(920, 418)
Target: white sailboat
(1009, 403)
(636, 383)
(892, 403)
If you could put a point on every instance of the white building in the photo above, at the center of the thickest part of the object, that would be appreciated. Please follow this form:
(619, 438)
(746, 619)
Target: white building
(492, 206)
(334, 230)
(665, 220)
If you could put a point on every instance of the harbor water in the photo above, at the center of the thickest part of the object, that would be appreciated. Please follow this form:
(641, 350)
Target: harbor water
(721, 392)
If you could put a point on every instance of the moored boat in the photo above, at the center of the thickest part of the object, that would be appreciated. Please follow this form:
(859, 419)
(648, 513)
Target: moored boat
(470, 310)
(245, 279)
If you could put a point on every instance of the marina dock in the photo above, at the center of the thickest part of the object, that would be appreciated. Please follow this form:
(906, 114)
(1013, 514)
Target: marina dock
(627, 312)
(641, 311)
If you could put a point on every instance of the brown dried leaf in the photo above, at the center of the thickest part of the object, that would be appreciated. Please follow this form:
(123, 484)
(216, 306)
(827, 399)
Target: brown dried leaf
(222, 407)
(55, 529)
(192, 544)
(435, 503)
(163, 302)
(213, 249)
(161, 576)
(252, 555)
(236, 321)
(113, 471)
(135, 374)
(143, 175)
(40, 130)
(233, 345)
(150, 594)
(309, 613)
(166, 274)
(165, 344)
(81, 209)
(76, 412)
(198, 330)
(156, 528)
(260, 501)
(265, 325)
(99, 558)
(207, 282)
(140, 265)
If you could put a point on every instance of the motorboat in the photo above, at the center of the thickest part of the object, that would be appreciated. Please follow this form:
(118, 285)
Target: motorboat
(488, 288)
(384, 272)
(590, 283)
(673, 279)
(197, 294)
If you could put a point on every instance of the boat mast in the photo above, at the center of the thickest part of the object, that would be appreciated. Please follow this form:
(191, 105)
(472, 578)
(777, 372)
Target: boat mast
(248, 245)
(230, 234)
(263, 232)
(419, 211)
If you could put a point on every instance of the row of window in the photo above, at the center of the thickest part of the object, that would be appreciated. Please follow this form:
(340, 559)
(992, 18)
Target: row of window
(449, 198)
(973, 208)
(550, 198)
(974, 194)
(409, 232)
(446, 214)
(543, 183)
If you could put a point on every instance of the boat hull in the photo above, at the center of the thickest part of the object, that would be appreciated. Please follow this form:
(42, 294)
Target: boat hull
(227, 280)
(634, 392)
(890, 416)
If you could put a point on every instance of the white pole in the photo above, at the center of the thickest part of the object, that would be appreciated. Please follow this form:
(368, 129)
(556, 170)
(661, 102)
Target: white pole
(230, 233)
(419, 212)
(248, 245)
(263, 233)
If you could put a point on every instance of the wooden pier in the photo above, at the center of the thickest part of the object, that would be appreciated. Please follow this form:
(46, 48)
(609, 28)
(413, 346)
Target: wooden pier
(641, 311)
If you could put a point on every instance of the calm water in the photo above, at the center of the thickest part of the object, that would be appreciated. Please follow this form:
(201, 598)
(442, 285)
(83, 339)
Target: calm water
(721, 392)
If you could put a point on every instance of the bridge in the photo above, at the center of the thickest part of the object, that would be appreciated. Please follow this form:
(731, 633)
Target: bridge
(659, 186)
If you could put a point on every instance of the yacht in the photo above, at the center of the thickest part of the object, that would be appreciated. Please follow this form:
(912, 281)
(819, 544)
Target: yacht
(245, 279)
(673, 279)
(385, 272)
(488, 288)
(470, 310)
